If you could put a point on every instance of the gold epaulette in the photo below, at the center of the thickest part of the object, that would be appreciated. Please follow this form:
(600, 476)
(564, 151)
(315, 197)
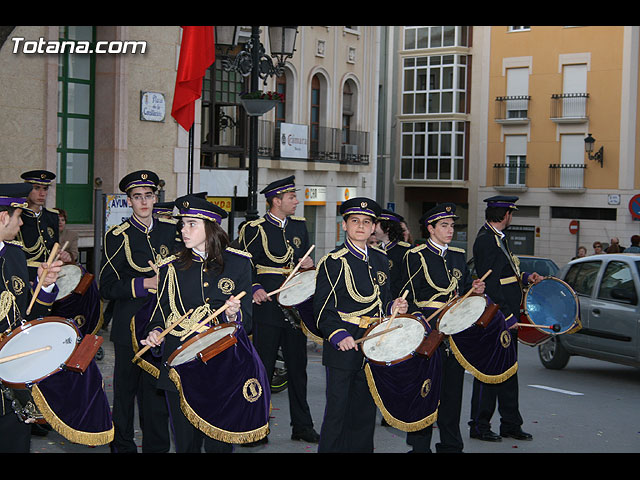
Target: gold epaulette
(118, 229)
(333, 255)
(255, 223)
(404, 244)
(242, 253)
(53, 210)
(174, 221)
(301, 219)
(417, 248)
(166, 261)
(456, 249)
(15, 243)
(378, 249)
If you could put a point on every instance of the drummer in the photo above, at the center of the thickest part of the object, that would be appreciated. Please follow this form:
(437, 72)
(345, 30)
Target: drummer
(277, 242)
(204, 275)
(390, 233)
(434, 273)
(352, 288)
(40, 229)
(127, 279)
(504, 287)
(15, 294)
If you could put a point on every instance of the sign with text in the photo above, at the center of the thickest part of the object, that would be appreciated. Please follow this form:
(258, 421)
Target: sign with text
(294, 141)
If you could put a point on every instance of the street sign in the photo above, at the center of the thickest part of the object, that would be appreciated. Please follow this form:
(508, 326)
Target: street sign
(634, 206)
(574, 226)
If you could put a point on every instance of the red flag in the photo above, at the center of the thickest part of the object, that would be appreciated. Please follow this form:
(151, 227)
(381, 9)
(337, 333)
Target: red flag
(197, 53)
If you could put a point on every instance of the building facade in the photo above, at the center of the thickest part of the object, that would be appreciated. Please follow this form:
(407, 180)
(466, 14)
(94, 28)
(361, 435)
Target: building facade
(93, 117)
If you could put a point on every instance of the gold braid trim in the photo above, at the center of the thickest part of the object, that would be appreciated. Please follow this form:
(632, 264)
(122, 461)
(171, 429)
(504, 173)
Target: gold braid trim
(484, 378)
(141, 362)
(7, 302)
(173, 291)
(71, 434)
(311, 336)
(210, 430)
(391, 420)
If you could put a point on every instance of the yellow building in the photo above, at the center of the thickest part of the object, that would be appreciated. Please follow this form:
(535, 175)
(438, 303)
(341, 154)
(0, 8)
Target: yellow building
(547, 88)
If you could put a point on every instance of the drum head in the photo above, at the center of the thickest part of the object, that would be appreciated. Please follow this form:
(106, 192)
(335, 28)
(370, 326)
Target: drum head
(190, 349)
(396, 344)
(551, 302)
(60, 335)
(462, 314)
(68, 279)
(297, 294)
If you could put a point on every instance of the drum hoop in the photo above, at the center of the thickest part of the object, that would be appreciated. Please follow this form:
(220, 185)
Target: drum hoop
(455, 301)
(407, 356)
(198, 337)
(300, 272)
(573, 293)
(26, 326)
(68, 295)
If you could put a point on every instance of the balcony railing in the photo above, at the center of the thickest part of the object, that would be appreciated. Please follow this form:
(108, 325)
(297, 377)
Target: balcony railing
(510, 176)
(326, 145)
(569, 107)
(512, 109)
(567, 176)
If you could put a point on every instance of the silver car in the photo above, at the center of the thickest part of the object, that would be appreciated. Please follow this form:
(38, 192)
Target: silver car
(607, 287)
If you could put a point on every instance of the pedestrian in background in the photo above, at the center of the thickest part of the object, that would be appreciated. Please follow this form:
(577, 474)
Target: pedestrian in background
(635, 245)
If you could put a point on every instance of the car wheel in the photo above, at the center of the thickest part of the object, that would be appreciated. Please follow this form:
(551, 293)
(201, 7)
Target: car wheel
(553, 355)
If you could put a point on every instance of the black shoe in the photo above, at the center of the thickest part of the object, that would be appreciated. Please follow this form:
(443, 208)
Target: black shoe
(40, 430)
(309, 435)
(487, 436)
(518, 435)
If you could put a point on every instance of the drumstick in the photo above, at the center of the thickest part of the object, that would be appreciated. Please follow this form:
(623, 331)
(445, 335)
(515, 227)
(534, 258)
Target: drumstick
(555, 327)
(23, 354)
(469, 292)
(284, 287)
(153, 265)
(393, 315)
(53, 256)
(212, 316)
(373, 335)
(162, 334)
(293, 272)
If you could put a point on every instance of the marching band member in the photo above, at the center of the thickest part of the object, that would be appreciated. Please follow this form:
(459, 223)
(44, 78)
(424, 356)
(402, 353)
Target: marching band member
(352, 286)
(390, 234)
(504, 286)
(16, 291)
(434, 273)
(127, 279)
(204, 275)
(276, 242)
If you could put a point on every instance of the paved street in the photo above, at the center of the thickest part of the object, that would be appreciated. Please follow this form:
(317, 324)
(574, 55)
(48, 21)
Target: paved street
(588, 407)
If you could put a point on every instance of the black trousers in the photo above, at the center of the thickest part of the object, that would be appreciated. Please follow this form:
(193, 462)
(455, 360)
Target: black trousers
(350, 413)
(483, 405)
(267, 339)
(448, 411)
(131, 386)
(15, 435)
(188, 439)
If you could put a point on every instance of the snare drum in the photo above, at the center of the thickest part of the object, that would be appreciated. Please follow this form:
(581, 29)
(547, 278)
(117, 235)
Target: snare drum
(547, 303)
(298, 299)
(64, 381)
(223, 385)
(479, 338)
(78, 298)
(403, 380)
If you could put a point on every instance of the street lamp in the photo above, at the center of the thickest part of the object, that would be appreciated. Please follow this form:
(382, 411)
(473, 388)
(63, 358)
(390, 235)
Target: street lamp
(588, 147)
(252, 60)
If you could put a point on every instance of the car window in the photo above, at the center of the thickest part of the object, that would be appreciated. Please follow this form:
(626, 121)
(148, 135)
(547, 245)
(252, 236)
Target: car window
(617, 276)
(582, 276)
(543, 267)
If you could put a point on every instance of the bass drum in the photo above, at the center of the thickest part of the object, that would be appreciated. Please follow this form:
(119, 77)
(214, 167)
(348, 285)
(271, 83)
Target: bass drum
(547, 303)
(298, 301)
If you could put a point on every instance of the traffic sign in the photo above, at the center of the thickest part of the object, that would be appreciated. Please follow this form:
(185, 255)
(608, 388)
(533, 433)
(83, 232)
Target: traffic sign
(574, 226)
(634, 206)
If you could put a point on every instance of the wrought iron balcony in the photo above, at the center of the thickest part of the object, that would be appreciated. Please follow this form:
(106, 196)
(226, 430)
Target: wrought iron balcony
(513, 109)
(567, 177)
(569, 107)
(511, 176)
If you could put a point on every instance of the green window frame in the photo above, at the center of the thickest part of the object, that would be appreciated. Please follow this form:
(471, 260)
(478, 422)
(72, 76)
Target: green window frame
(76, 108)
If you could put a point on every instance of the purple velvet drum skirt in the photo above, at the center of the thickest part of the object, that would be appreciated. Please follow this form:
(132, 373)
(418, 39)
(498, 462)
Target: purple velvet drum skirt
(227, 396)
